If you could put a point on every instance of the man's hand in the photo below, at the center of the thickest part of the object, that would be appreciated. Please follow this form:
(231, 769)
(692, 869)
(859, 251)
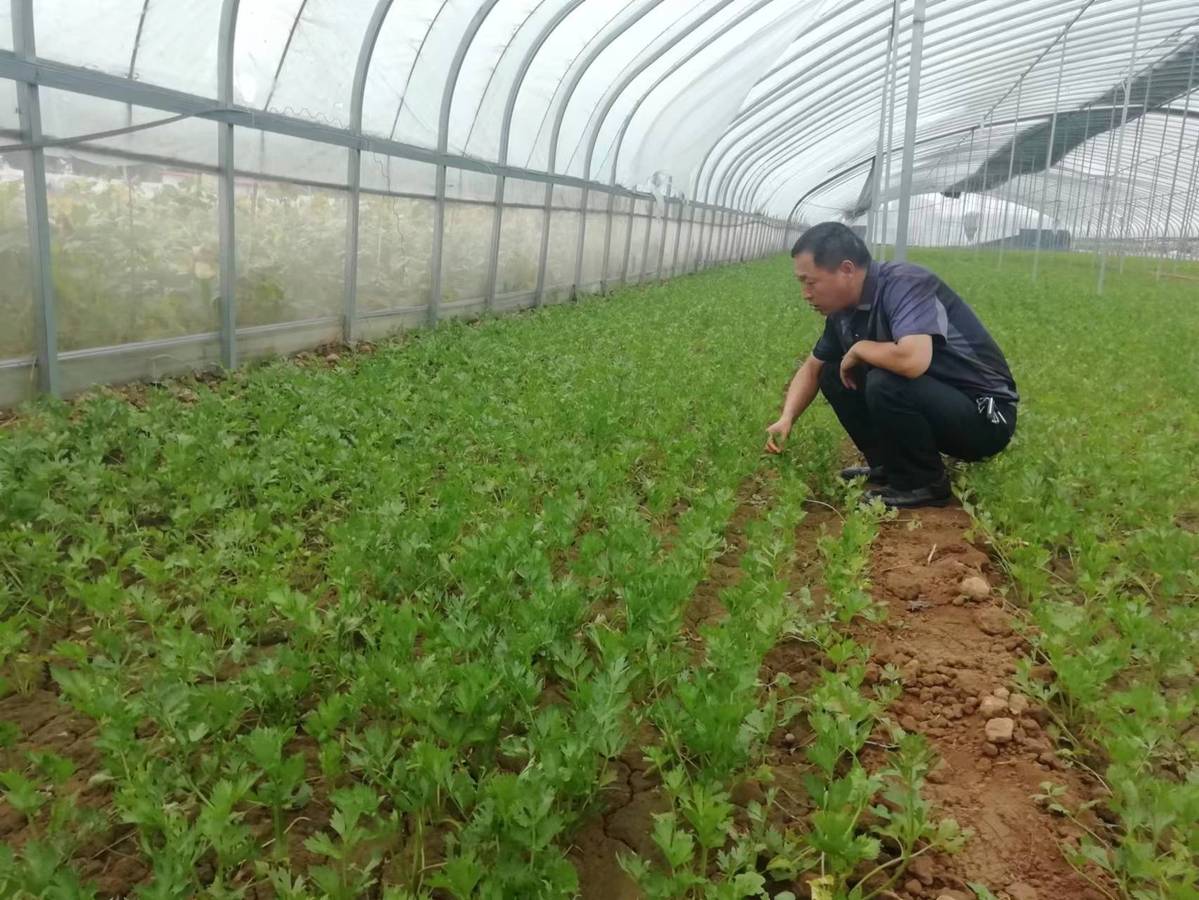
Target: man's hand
(777, 435)
(849, 362)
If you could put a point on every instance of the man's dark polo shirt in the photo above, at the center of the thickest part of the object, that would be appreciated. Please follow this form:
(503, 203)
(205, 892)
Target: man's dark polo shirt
(899, 299)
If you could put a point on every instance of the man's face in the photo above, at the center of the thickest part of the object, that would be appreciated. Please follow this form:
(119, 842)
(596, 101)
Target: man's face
(828, 291)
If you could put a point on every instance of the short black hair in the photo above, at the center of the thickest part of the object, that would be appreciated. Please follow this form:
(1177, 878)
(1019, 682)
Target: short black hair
(830, 243)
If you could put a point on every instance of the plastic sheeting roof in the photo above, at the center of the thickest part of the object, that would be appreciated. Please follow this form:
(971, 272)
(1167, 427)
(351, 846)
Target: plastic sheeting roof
(751, 103)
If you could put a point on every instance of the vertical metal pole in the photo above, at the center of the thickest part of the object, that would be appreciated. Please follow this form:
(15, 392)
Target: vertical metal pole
(1191, 202)
(1132, 61)
(1146, 240)
(649, 230)
(678, 234)
(909, 137)
(1186, 112)
(982, 195)
(688, 261)
(958, 234)
(37, 214)
(1076, 191)
(349, 300)
(1095, 223)
(1137, 146)
(543, 256)
(876, 169)
(1007, 204)
(608, 219)
(700, 210)
(665, 219)
(226, 198)
(628, 240)
(886, 187)
(714, 226)
(1057, 97)
(581, 236)
(493, 250)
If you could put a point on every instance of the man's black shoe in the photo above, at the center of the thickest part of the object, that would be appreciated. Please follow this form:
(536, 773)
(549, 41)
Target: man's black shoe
(936, 494)
(872, 474)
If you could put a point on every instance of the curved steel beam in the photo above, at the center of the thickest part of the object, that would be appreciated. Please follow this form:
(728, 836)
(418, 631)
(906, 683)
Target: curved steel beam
(225, 199)
(506, 135)
(443, 138)
(614, 93)
(560, 116)
(366, 52)
(291, 34)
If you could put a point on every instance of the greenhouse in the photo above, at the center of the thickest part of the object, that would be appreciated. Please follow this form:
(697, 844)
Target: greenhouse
(384, 511)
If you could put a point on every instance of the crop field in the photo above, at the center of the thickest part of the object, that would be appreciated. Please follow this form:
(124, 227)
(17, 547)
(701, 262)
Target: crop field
(519, 609)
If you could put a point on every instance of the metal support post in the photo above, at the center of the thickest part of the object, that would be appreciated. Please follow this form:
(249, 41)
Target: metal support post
(628, 240)
(909, 138)
(37, 215)
(876, 169)
(1007, 204)
(665, 219)
(226, 209)
(1057, 96)
(1134, 170)
(1132, 61)
(649, 229)
(983, 219)
(678, 234)
(1186, 112)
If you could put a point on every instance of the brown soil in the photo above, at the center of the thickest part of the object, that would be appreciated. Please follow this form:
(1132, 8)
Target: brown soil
(625, 821)
(957, 646)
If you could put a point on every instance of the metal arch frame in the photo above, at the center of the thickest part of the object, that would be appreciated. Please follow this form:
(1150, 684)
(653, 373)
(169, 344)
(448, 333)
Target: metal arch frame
(1178, 156)
(443, 138)
(757, 107)
(505, 136)
(1120, 138)
(291, 34)
(784, 143)
(37, 216)
(610, 97)
(779, 93)
(366, 52)
(555, 135)
(474, 120)
(842, 56)
(849, 169)
(137, 38)
(614, 94)
(1038, 115)
(618, 143)
(226, 199)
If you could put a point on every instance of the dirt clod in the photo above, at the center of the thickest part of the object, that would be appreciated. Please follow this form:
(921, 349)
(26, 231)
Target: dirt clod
(1019, 890)
(999, 730)
(991, 706)
(975, 587)
(992, 621)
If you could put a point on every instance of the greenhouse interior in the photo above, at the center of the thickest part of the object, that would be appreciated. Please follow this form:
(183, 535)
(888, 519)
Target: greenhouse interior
(384, 511)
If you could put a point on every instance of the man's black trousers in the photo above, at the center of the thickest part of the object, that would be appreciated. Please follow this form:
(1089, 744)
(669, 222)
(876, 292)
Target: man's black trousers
(905, 424)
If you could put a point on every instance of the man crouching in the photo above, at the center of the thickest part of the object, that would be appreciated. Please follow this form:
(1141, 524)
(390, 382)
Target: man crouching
(908, 368)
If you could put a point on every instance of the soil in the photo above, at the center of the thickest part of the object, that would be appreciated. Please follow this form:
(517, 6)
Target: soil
(956, 642)
(625, 821)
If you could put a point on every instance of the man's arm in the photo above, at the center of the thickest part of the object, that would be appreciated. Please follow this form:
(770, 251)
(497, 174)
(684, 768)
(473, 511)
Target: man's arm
(910, 357)
(800, 394)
